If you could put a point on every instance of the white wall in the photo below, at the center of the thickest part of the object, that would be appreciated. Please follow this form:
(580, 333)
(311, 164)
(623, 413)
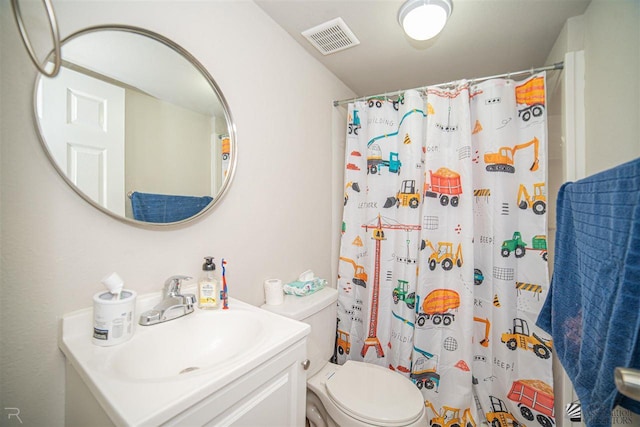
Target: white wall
(275, 221)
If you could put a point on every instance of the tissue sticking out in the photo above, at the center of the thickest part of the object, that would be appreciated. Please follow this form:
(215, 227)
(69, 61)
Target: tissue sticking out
(306, 275)
(114, 284)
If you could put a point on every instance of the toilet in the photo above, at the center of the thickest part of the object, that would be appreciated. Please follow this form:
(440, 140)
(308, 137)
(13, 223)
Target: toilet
(355, 394)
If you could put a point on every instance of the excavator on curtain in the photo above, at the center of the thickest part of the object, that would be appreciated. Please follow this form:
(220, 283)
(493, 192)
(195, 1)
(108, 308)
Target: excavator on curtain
(503, 160)
(450, 417)
(487, 328)
(537, 203)
(359, 275)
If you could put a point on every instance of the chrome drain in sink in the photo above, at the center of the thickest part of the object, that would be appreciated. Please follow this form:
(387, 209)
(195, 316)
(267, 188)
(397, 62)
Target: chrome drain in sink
(189, 369)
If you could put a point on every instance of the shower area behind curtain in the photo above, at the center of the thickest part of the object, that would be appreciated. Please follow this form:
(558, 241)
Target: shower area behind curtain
(443, 255)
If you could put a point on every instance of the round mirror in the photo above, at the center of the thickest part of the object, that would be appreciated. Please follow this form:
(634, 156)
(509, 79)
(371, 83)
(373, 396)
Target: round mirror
(136, 126)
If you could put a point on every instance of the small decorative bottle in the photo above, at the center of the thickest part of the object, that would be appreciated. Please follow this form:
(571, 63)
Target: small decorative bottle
(208, 286)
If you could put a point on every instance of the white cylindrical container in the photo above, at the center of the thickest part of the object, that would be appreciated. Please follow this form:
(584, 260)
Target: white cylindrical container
(113, 319)
(273, 291)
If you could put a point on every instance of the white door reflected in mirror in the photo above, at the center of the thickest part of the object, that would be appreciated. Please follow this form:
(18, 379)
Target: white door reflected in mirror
(133, 114)
(86, 145)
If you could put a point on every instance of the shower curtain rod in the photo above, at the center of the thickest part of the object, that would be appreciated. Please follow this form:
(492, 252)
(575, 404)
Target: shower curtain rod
(556, 66)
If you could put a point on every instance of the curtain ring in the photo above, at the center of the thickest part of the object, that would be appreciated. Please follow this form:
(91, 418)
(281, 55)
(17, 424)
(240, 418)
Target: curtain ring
(55, 35)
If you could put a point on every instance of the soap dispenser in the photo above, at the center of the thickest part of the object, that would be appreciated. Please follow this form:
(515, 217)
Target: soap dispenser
(208, 286)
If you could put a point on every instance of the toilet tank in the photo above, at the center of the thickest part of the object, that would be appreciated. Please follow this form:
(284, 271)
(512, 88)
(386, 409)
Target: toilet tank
(318, 310)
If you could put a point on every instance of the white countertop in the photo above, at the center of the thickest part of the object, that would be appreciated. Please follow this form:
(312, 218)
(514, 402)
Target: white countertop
(152, 401)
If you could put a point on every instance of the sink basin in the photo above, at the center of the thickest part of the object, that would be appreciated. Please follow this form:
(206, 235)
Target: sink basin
(166, 368)
(189, 346)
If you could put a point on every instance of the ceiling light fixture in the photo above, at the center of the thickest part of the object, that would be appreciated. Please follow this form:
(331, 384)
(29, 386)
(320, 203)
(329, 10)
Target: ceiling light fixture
(424, 19)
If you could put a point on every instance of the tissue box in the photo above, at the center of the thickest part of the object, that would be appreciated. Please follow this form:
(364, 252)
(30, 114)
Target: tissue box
(302, 289)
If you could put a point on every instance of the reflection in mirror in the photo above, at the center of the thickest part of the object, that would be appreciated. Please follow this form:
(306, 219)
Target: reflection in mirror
(136, 126)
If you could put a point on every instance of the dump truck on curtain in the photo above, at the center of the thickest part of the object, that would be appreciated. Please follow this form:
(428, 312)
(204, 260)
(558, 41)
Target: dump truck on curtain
(444, 184)
(531, 94)
(535, 400)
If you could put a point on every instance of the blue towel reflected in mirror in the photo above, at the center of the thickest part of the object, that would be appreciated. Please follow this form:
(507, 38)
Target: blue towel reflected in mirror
(163, 208)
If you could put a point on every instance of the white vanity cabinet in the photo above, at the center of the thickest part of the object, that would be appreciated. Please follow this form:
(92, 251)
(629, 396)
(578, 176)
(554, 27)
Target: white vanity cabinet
(273, 394)
(262, 383)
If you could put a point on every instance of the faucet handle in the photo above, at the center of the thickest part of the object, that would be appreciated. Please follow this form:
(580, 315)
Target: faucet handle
(189, 300)
(172, 284)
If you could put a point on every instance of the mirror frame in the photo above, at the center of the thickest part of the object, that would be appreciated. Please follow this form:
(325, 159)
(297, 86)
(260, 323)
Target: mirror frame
(214, 86)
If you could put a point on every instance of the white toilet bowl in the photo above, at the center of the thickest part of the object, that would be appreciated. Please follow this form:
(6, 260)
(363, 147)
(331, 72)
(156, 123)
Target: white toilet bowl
(363, 395)
(355, 394)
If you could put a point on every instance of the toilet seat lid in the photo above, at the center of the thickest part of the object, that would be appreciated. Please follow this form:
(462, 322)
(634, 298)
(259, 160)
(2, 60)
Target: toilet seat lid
(374, 394)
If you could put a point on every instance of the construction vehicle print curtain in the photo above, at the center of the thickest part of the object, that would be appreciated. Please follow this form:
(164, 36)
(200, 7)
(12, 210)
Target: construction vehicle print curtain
(443, 258)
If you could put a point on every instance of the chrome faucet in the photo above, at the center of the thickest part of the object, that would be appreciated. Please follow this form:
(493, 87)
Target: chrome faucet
(173, 304)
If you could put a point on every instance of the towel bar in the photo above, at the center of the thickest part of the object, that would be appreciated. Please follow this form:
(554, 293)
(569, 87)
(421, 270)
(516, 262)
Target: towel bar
(628, 382)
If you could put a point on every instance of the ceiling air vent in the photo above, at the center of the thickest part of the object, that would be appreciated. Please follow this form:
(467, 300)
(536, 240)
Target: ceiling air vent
(331, 37)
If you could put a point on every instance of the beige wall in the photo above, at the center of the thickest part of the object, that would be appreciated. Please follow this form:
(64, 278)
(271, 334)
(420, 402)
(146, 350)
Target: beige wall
(612, 79)
(555, 84)
(612, 97)
(275, 221)
(609, 34)
(168, 147)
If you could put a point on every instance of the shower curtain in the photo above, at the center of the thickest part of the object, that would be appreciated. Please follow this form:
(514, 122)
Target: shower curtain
(443, 258)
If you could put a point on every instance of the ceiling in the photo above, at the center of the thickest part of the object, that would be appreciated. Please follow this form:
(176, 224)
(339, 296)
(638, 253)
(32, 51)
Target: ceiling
(482, 38)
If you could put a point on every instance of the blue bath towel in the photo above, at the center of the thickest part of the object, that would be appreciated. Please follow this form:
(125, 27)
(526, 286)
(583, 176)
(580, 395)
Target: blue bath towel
(593, 307)
(163, 208)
